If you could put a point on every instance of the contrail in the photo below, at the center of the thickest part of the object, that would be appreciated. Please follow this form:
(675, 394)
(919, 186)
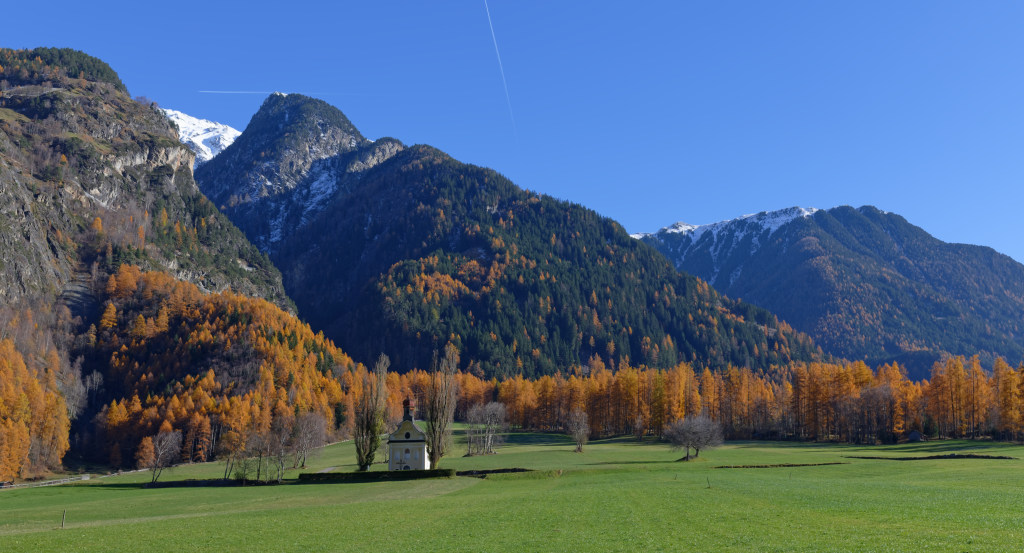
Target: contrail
(313, 94)
(501, 68)
(234, 92)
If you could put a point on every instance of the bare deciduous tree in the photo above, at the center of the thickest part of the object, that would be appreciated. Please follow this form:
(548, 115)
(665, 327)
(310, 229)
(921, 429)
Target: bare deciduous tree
(278, 447)
(441, 396)
(578, 427)
(257, 448)
(310, 433)
(74, 389)
(166, 448)
(266, 451)
(698, 432)
(370, 407)
(484, 424)
(93, 385)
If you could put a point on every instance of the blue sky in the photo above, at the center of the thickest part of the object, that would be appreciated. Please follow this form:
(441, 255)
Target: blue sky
(649, 113)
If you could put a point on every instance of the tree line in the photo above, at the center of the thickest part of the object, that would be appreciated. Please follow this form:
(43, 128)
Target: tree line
(847, 402)
(223, 376)
(61, 64)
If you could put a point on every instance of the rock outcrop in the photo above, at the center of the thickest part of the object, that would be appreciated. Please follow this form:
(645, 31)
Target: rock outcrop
(90, 179)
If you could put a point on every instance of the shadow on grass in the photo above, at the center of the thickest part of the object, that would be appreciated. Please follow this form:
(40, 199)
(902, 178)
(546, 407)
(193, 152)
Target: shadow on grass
(613, 463)
(545, 438)
(555, 438)
(932, 457)
(536, 438)
(779, 444)
(116, 486)
(931, 446)
(954, 445)
(627, 440)
(778, 465)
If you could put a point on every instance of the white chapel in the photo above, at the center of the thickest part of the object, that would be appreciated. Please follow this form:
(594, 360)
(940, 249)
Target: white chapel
(407, 446)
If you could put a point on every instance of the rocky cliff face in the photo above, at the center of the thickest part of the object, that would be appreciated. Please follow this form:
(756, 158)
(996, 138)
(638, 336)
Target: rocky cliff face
(295, 155)
(30, 263)
(90, 179)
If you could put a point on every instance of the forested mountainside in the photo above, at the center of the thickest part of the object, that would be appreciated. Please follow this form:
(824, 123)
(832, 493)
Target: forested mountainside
(225, 370)
(413, 249)
(865, 284)
(227, 363)
(90, 179)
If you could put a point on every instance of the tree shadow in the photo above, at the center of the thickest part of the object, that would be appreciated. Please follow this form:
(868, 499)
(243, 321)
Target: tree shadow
(778, 444)
(606, 463)
(908, 447)
(954, 445)
(534, 438)
(117, 486)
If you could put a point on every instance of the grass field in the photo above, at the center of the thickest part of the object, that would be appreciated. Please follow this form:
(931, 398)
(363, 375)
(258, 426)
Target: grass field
(619, 495)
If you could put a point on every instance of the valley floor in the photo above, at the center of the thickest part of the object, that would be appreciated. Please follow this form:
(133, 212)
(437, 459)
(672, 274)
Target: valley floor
(619, 495)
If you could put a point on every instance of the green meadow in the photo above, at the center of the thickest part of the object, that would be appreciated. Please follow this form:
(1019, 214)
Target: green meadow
(620, 495)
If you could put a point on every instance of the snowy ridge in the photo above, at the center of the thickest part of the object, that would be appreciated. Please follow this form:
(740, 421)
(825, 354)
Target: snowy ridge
(675, 228)
(721, 240)
(205, 138)
(765, 220)
(680, 227)
(757, 222)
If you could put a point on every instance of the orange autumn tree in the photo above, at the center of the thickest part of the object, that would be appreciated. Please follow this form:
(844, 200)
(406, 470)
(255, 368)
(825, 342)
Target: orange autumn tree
(34, 420)
(1006, 385)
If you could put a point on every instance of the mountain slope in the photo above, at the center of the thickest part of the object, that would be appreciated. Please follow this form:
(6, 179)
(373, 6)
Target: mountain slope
(90, 179)
(95, 188)
(205, 138)
(416, 249)
(296, 153)
(864, 283)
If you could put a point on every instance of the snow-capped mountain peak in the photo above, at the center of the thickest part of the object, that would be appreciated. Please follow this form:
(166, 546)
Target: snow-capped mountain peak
(720, 240)
(680, 227)
(675, 228)
(205, 138)
(765, 220)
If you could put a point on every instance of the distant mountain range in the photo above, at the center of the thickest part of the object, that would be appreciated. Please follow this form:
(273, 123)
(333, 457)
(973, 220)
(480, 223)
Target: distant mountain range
(205, 138)
(865, 284)
(402, 249)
